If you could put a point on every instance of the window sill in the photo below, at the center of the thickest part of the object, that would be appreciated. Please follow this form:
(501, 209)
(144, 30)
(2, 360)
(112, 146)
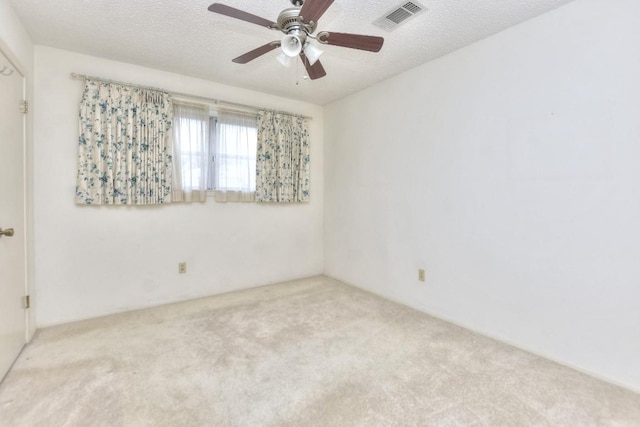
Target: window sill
(230, 197)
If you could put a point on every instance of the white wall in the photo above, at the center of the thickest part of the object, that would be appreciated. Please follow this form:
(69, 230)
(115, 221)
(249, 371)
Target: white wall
(93, 260)
(15, 36)
(509, 170)
(15, 41)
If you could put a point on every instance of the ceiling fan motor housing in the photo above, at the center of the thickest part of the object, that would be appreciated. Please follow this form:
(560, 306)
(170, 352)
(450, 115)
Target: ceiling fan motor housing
(289, 20)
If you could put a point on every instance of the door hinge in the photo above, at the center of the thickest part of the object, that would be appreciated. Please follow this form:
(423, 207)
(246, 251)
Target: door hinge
(24, 107)
(26, 302)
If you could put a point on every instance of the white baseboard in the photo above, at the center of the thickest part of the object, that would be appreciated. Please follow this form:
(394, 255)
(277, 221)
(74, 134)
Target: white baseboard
(500, 339)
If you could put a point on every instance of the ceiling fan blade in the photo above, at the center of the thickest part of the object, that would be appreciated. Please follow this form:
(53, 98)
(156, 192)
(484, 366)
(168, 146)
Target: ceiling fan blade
(240, 14)
(312, 10)
(250, 56)
(354, 41)
(316, 70)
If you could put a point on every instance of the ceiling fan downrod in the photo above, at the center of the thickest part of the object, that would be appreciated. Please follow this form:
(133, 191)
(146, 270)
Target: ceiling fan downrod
(297, 3)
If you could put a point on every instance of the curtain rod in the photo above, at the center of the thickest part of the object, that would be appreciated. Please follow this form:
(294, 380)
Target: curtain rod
(186, 95)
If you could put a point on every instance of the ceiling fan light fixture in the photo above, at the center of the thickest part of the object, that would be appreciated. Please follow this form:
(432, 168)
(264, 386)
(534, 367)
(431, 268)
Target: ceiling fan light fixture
(291, 45)
(312, 53)
(284, 59)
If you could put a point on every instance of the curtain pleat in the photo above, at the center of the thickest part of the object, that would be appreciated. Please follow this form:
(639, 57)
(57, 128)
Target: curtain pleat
(124, 150)
(283, 158)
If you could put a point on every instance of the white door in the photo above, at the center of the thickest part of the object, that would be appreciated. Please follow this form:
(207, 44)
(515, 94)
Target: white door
(12, 198)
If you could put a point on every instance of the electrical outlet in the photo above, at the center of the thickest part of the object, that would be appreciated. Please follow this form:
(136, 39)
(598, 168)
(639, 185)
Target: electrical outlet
(182, 267)
(421, 275)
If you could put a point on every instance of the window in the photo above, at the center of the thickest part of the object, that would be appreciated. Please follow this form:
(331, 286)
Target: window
(234, 141)
(222, 159)
(191, 153)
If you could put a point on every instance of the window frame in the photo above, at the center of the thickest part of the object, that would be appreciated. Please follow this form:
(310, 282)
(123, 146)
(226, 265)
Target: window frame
(214, 115)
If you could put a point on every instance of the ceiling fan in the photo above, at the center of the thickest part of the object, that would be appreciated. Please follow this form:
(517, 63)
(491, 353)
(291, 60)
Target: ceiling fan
(299, 23)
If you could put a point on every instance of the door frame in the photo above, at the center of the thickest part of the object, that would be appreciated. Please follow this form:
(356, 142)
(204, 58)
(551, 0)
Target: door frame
(17, 65)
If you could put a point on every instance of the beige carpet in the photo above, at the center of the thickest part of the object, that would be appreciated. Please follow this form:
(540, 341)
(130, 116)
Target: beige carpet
(305, 353)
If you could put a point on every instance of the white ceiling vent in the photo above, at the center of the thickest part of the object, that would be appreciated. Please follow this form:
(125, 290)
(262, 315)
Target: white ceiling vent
(392, 19)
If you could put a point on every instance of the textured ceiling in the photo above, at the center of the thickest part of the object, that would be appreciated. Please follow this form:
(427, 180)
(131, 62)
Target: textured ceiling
(183, 37)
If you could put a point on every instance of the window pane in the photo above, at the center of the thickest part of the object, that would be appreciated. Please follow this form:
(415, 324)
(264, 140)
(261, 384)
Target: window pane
(236, 144)
(192, 152)
(190, 148)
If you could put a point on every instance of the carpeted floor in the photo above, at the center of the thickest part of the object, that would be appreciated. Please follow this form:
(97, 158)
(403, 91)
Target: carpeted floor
(306, 353)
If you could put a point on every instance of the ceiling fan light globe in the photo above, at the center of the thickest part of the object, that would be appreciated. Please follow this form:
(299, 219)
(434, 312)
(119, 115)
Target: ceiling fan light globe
(291, 45)
(284, 59)
(312, 53)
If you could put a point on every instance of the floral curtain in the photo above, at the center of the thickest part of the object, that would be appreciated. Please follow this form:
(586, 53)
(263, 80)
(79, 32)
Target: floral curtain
(124, 148)
(283, 158)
